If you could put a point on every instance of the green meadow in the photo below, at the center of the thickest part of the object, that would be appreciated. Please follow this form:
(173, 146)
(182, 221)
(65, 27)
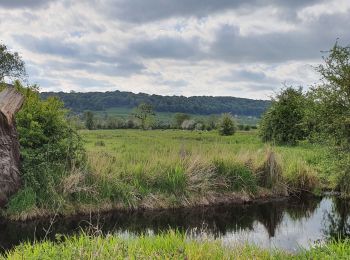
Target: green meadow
(177, 168)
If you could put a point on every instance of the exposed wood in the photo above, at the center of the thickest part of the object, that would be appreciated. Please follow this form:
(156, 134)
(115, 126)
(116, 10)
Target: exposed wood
(10, 102)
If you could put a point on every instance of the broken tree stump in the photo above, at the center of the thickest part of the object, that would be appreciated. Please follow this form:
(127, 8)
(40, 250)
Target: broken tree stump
(10, 102)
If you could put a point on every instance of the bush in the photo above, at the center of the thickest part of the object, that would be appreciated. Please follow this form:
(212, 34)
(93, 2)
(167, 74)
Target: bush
(283, 122)
(227, 125)
(49, 145)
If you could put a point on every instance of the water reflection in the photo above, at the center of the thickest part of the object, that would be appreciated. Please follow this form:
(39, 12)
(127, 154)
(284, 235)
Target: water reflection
(285, 224)
(338, 219)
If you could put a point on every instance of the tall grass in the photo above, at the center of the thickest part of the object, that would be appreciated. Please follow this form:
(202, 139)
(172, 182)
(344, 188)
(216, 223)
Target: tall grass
(156, 169)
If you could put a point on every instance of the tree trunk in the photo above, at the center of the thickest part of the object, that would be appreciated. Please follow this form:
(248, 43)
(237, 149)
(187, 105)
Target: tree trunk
(10, 102)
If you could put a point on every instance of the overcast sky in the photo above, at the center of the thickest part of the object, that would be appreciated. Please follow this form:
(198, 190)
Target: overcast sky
(245, 48)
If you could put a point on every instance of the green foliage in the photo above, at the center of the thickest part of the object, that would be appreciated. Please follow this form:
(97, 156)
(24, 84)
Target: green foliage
(11, 64)
(89, 120)
(49, 145)
(227, 124)
(180, 118)
(332, 98)
(200, 105)
(283, 122)
(144, 113)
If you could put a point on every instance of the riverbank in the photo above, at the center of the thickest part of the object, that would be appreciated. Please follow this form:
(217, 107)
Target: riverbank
(171, 245)
(134, 169)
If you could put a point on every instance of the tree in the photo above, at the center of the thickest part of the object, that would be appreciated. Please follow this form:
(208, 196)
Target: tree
(332, 98)
(179, 118)
(89, 120)
(144, 112)
(283, 123)
(11, 64)
(227, 124)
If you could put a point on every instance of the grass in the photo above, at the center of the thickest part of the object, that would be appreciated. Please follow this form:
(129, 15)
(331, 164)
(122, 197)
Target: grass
(171, 245)
(175, 168)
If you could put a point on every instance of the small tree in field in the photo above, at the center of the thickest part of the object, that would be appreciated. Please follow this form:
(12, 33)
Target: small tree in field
(283, 123)
(227, 125)
(89, 120)
(144, 113)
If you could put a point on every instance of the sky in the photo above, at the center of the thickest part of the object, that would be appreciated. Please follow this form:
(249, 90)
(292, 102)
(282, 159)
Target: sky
(242, 48)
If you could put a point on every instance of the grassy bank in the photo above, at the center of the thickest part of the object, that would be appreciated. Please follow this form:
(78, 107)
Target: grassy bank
(173, 168)
(172, 245)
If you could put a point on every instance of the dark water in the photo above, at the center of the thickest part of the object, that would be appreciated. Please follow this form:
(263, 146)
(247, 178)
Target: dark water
(286, 224)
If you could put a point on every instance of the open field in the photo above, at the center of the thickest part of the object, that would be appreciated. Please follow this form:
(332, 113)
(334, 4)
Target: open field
(172, 245)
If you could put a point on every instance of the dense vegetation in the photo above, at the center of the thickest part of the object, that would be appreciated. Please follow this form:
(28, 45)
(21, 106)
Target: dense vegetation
(99, 101)
(172, 245)
(320, 115)
(50, 148)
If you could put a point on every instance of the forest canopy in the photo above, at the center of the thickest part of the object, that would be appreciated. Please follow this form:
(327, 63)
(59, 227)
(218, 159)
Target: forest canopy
(205, 105)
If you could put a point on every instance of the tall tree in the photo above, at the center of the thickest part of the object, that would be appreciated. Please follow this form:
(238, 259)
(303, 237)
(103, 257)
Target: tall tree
(11, 64)
(332, 98)
(89, 120)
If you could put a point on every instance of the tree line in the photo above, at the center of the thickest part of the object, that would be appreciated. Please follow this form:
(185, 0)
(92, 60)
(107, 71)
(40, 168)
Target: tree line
(144, 117)
(204, 105)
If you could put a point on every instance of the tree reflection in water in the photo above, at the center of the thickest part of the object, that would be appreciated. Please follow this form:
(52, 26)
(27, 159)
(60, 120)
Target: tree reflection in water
(337, 220)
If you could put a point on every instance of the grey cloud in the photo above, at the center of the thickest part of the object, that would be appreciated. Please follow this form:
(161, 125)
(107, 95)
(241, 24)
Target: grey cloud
(88, 51)
(165, 47)
(247, 76)
(304, 43)
(173, 83)
(138, 11)
(24, 3)
(45, 45)
(89, 82)
(122, 69)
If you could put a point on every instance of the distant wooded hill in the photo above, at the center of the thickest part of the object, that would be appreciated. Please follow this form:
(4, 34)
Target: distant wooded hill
(204, 105)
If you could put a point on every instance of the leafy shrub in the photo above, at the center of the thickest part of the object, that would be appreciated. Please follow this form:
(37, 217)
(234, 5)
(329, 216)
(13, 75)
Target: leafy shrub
(49, 145)
(283, 122)
(227, 125)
